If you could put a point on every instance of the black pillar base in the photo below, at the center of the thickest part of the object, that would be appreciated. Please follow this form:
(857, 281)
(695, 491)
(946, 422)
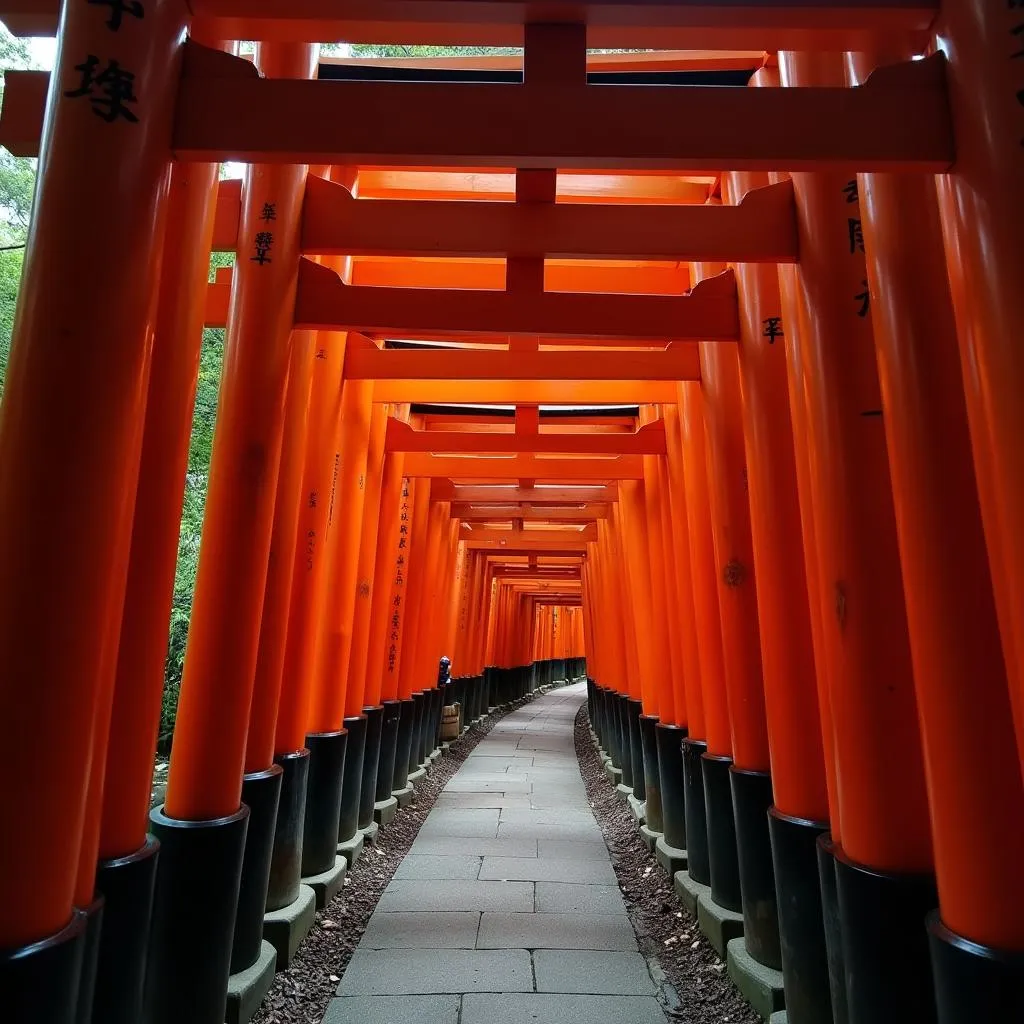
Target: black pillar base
(722, 857)
(833, 927)
(286, 859)
(974, 983)
(127, 887)
(371, 762)
(418, 700)
(885, 944)
(669, 739)
(432, 710)
(261, 793)
(652, 777)
(635, 709)
(90, 957)
(612, 736)
(40, 982)
(801, 926)
(194, 905)
(751, 798)
(388, 746)
(698, 854)
(625, 741)
(323, 800)
(403, 745)
(352, 778)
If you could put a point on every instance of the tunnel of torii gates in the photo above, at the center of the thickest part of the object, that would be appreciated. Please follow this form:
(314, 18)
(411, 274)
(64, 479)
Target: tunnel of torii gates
(717, 387)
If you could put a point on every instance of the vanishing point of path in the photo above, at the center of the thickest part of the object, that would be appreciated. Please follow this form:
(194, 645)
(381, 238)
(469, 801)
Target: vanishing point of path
(506, 909)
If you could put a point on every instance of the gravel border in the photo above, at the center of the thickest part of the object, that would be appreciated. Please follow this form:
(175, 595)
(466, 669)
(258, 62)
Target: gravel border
(698, 989)
(301, 993)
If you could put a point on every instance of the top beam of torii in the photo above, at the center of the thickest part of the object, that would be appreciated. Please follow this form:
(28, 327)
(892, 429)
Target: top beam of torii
(657, 24)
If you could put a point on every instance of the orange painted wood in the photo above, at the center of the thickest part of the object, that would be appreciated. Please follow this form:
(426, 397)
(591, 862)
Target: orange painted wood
(762, 229)
(239, 116)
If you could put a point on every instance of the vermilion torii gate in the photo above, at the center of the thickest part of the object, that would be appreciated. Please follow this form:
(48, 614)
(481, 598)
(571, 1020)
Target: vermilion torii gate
(716, 386)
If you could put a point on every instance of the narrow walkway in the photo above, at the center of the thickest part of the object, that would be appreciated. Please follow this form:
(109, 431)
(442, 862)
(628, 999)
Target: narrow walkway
(506, 909)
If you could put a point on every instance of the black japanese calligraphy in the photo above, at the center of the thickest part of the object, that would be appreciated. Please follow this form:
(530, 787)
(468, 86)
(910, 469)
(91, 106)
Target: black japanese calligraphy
(269, 212)
(262, 242)
(119, 8)
(864, 298)
(850, 191)
(313, 498)
(108, 89)
(856, 234)
(772, 328)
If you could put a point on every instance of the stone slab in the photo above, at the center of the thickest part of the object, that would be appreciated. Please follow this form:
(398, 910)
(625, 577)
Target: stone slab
(412, 894)
(547, 869)
(370, 833)
(442, 1009)
(429, 971)
(545, 1008)
(574, 831)
(425, 866)
(471, 785)
(592, 973)
(779, 1017)
(326, 884)
(285, 929)
(638, 807)
(649, 837)
(403, 796)
(352, 849)
(247, 989)
(416, 775)
(623, 792)
(556, 931)
(447, 846)
(688, 890)
(566, 898)
(718, 924)
(498, 801)
(435, 755)
(671, 858)
(481, 823)
(761, 986)
(439, 929)
(566, 849)
(384, 811)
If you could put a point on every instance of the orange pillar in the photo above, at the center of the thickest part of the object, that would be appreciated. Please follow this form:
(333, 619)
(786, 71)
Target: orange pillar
(886, 845)
(65, 535)
(976, 801)
(982, 209)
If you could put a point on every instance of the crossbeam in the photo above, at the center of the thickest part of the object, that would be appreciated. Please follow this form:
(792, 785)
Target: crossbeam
(898, 121)
(528, 392)
(528, 536)
(762, 228)
(469, 512)
(706, 313)
(521, 544)
(364, 361)
(476, 494)
(647, 440)
(611, 24)
(518, 467)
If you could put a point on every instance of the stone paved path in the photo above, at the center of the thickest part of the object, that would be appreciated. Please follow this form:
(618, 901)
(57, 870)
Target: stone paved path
(506, 909)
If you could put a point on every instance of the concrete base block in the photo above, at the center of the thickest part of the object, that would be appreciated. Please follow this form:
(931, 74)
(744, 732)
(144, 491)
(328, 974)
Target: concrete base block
(688, 890)
(649, 837)
(352, 850)
(779, 1017)
(328, 883)
(247, 989)
(285, 929)
(414, 777)
(638, 807)
(614, 774)
(370, 834)
(445, 745)
(434, 756)
(671, 858)
(719, 925)
(623, 792)
(385, 810)
(403, 796)
(761, 986)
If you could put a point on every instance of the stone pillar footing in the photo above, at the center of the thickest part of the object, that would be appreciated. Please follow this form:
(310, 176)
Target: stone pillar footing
(326, 883)
(718, 924)
(285, 929)
(638, 807)
(351, 849)
(384, 811)
(761, 986)
(248, 988)
(403, 796)
(649, 836)
(671, 858)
